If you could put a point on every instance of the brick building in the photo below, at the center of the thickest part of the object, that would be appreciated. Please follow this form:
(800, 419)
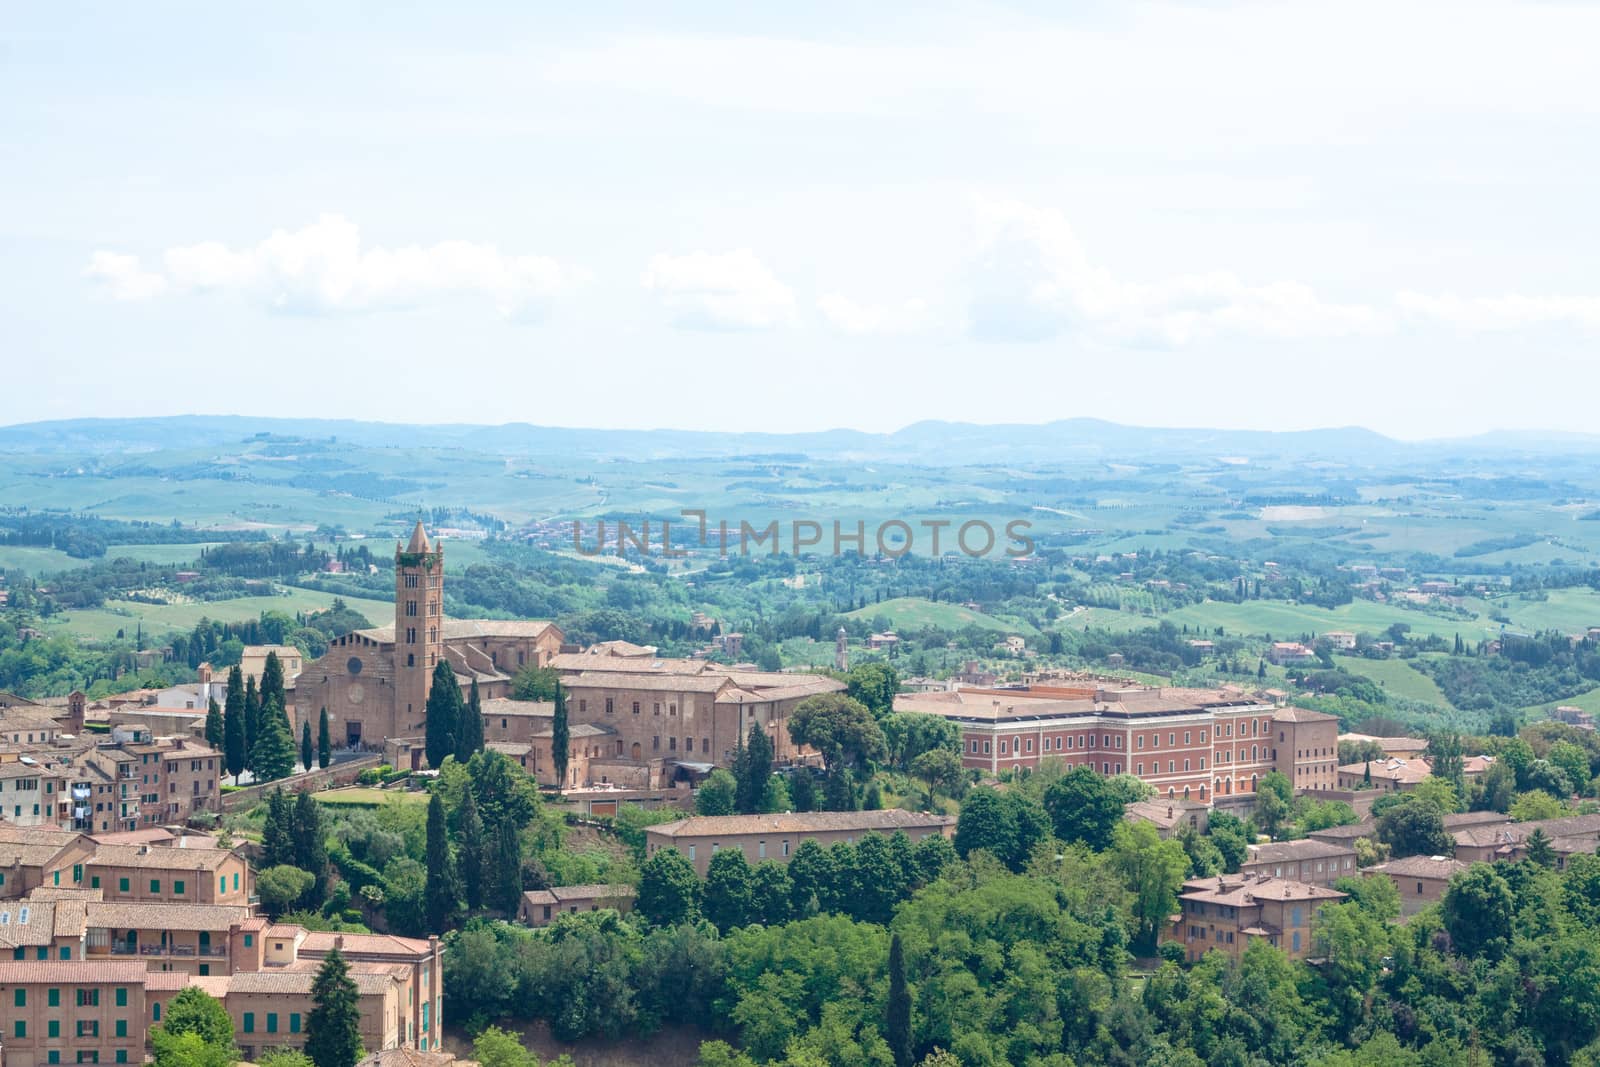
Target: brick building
(775, 837)
(1227, 911)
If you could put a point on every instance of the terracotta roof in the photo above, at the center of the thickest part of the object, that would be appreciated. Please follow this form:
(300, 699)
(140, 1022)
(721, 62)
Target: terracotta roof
(366, 944)
(187, 859)
(1400, 771)
(165, 981)
(1422, 867)
(411, 1057)
(1295, 851)
(282, 980)
(811, 822)
(40, 928)
(1244, 891)
(542, 709)
(419, 539)
(72, 972)
(667, 683)
(1302, 715)
(571, 893)
(461, 629)
(156, 916)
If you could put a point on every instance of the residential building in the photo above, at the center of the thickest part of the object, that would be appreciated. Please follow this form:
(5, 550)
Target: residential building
(1309, 861)
(1290, 654)
(1340, 640)
(1169, 817)
(1227, 911)
(1420, 880)
(72, 1011)
(1393, 747)
(540, 907)
(1570, 835)
(1389, 775)
(775, 837)
(175, 875)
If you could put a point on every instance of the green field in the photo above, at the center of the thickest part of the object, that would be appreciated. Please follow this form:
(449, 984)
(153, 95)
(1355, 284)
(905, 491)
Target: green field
(1571, 611)
(367, 797)
(914, 613)
(102, 624)
(1397, 677)
(37, 561)
(1283, 620)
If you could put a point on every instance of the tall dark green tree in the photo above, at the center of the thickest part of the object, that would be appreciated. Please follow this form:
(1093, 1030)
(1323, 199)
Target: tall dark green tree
(324, 741)
(560, 738)
(508, 868)
(726, 896)
(443, 894)
(305, 745)
(897, 1021)
(252, 722)
(333, 1027)
(233, 739)
(471, 851)
(310, 841)
(668, 888)
(274, 753)
(272, 681)
(469, 731)
(216, 732)
(444, 715)
(277, 837)
(753, 768)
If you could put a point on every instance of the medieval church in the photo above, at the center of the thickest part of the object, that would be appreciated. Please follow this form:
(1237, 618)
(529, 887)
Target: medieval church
(375, 682)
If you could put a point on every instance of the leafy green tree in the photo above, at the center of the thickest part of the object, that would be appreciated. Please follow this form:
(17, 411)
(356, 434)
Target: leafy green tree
(471, 851)
(324, 741)
(717, 795)
(443, 716)
(536, 683)
(1518, 755)
(1572, 760)
(281, 887)
(752, 770)
(940, 769)
(812, 876)
(668, 889)
(910, 734)
(1083, 808)
(771, 891)
(189, 1050)
(283, 1057)
(333, 1027)
(233, 739)
(1274, 802)
(444, 889)
(1415, 829)
(494, 1047)
(305, 744)
(274, 755)
(1449, 765)
(1438, 792)
(1153, 871)
(216, 731)
(726, 896)
(1228, 833)
(1535, 805)
(1477, 911)
(874, 685)
(469, 731)
(1006, 824)
(897, 1014)
(194, 1011)
(840, 728)
(560, 738)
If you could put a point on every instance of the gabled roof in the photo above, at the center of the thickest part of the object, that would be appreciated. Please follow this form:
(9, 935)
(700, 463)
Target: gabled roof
(886, 820)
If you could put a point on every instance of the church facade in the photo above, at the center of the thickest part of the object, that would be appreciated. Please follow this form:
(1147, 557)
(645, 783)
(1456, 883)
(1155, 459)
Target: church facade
(374, 683)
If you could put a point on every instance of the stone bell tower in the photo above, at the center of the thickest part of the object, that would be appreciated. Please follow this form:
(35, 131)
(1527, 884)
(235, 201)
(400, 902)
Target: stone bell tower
(418, 628)
(841, 651)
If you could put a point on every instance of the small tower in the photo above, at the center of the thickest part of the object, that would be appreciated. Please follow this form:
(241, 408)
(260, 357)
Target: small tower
(418, 628)
(841, 651)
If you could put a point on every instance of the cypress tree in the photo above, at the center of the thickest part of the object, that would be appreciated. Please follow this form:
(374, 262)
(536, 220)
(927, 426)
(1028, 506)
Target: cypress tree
(472, 856)
(469, 732)
(560, 738)
(444, 715)
(216, 734)
(752, 768)
(443, 894)
(272, 680)
(324, 742)
(277, 839)
(305, 745)
(233, 747)
(310, 841)
(333, 1027)
(899, 1008)
(252, 722)
(274, 751)
(508, 868)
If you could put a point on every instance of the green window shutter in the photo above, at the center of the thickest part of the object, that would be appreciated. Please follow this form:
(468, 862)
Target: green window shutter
(122, 996)
(54, 1028)
(94, 881)
(122, 885)
(177, 888)
(294, 1022)
(53, 998)
(122, 1028)
(21, 997)
(249, 1022)
(155, 885)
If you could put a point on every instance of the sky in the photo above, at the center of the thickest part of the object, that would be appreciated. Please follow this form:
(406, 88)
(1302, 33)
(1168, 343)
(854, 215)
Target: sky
(804, 216)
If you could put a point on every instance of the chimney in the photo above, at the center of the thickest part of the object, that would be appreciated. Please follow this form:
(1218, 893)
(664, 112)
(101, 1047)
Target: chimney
(338, 942)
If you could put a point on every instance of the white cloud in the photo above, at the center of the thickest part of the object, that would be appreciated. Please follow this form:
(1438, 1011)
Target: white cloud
(324, 268)
(1510, 312)
(124, 276)
(848, 316)
(1033, 279)
(720, 291)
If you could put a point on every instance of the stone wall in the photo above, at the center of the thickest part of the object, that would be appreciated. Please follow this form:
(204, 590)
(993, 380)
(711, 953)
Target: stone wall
(338, 774)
